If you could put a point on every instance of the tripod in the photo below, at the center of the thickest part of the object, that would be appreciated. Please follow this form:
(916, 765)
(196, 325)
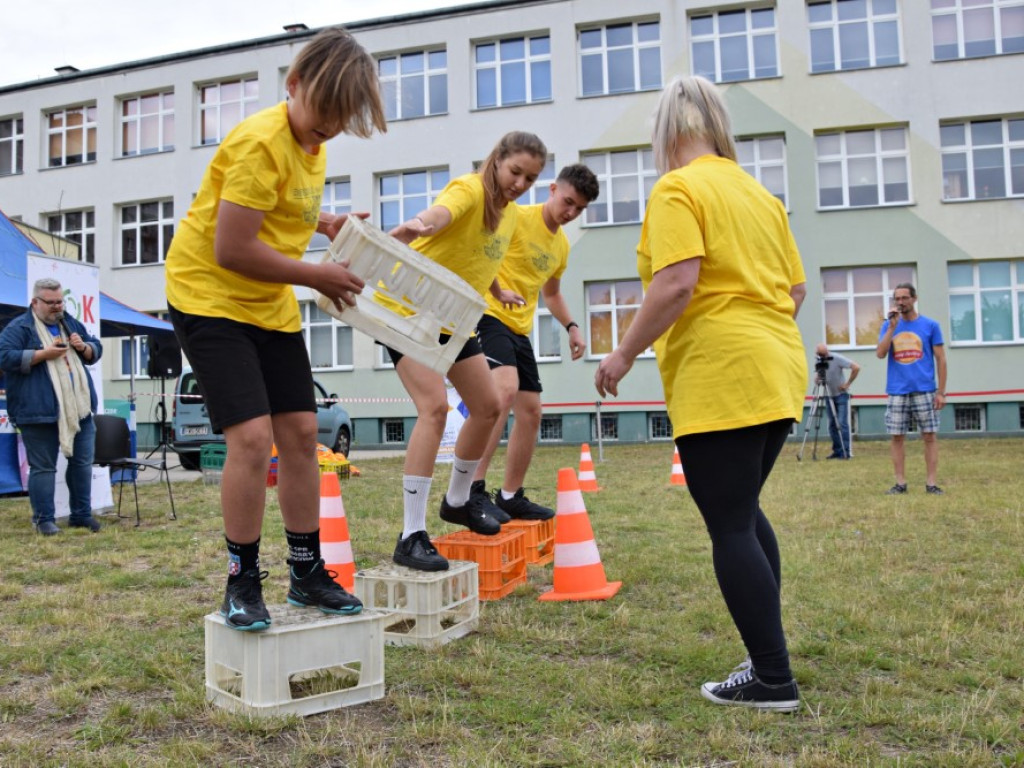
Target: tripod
(818, 398)
(161, 413)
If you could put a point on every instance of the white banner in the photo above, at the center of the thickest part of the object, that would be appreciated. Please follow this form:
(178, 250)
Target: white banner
(457, 413)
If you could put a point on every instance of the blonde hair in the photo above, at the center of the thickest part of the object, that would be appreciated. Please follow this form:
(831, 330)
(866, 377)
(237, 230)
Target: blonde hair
(508, 145)
(339, 80)
(690, 107)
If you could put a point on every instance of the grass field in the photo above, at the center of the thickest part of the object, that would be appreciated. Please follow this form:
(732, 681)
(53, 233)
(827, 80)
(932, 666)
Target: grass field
(904, 617)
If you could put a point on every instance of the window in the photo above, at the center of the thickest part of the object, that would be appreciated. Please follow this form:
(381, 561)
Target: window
(136, 350)
(516, 70)
(337, 198)
(626, 179)
(78, 227)
(853, 34)
(71, 136)
(328, 341)
(394, 430)
(863, 168)
(611, 308)
(609, 426)
(734, 45)
(147, 124)
(224, 105)
(986, 301)
(12, 145)
(983, 159)
(659, 427)
(856, 301)
(541, 189)
(547, 337)
(403, 195)
(383, 358)
(550, 428)
(146, 231)
(764, 158)
(968, 418)
(414, 84)
(962, 29)
(620, 58)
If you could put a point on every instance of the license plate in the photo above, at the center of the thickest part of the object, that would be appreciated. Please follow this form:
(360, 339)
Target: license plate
(192, 431)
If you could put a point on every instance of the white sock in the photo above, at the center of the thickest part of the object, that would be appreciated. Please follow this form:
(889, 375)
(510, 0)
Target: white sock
(506, 495)
(415, 491)
(461, 480)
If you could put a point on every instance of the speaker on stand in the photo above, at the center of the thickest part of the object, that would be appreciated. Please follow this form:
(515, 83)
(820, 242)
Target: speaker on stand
(164, 363)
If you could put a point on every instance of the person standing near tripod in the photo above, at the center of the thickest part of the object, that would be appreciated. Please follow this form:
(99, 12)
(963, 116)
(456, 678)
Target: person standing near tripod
(838, 391)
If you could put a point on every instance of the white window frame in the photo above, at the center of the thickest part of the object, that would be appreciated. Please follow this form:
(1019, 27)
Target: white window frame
(613, 183)
(652, 418)
(528, 61)
(543, 321)
(336, 199)
(162, 113)
(385, 424)
(978, 290)
(436, 182)
(14, 145)
(548, 425)
(613, 308)
(883, 157)
(946, 11)
(759, 161)
(382, 360)
(84, 235)
(64, 133)
(540, 190)
(962, 411)
(750, 34)
(835, 23)
(141, 351)
(961, 157)
(164, 225)
(874, 301)
(339, 333)
(391, 84)
(608, 424)
(603, 50)
(244, 105)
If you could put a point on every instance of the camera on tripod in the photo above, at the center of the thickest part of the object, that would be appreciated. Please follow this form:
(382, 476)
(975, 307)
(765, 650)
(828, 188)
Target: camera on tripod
(821, 366)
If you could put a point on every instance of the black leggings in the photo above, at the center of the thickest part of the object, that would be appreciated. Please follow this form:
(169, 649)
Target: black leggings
(725, 472)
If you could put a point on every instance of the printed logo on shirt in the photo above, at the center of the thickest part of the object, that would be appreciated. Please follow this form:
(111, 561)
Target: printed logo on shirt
(907, 348)
(540, 258)
(495, 248)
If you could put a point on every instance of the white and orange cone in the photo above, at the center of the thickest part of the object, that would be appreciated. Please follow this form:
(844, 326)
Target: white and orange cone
(678, 478)
(335, 547)
(587, 479)
(579, 574)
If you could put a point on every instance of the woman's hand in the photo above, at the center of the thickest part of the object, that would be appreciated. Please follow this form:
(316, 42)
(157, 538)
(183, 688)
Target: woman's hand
(330, 224)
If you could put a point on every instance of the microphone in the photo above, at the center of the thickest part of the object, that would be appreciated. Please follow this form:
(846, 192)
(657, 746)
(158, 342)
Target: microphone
(893, 314)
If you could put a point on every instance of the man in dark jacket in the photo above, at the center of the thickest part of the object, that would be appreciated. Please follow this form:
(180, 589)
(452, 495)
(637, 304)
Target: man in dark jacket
(51, 399)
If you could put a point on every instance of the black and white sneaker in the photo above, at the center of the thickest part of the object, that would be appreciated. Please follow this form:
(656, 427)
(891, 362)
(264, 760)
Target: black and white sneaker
(318, 589)
(479, 489)
(744, 689)
(419, 553)
(739, 669)
(472, 515)
(521, 508)
(243, 606)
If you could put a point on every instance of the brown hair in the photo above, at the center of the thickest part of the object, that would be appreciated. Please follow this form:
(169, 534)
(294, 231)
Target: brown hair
(340, 82)
(509, 144)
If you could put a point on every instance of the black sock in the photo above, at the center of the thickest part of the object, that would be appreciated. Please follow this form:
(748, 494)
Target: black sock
(303, 551)
(242, 558)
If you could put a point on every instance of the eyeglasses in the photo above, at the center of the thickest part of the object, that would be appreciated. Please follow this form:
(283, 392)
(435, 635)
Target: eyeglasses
(54, 303)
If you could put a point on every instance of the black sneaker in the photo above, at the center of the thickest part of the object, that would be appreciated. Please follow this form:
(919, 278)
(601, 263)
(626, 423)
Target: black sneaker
(318, 589)
(897, 489)
(479, 489)
(46, 528)
(472, 515)
(743, 689)
(89, 522)
(934, 489)
(521, 508)
(243, 606)
(418, 553)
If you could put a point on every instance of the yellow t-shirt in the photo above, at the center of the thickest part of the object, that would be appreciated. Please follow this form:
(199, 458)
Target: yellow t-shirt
(261, 166)
(735, 357)
(535, 255)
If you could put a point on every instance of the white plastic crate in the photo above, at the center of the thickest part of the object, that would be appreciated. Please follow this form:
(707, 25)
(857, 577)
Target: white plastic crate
(437, 298)
(306, 662)
(427, 609)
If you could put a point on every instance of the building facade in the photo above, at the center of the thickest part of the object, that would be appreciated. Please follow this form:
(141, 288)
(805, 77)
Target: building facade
(893, 130)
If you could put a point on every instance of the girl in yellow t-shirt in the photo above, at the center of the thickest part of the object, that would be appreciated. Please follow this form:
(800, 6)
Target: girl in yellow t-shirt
(723, 284)
(467, 230)
(229, 274)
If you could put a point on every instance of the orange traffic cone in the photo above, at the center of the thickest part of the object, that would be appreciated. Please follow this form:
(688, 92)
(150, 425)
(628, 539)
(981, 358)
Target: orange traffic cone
(579, 574)
(588, 480)
(335, 547)
(678, 478)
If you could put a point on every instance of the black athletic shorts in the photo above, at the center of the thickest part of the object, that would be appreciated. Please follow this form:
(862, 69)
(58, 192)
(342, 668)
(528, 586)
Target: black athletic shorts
(243, 371)
(472, 348)
(503, 346)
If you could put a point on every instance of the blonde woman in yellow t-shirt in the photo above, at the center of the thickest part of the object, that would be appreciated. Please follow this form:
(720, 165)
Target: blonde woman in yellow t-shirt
(230, 271)
(467, 230)
(723, 282)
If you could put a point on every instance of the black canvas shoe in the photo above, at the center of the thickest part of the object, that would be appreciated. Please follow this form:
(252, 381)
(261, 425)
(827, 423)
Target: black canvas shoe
(472, 515)
(243, 606)
(521, 508)
(479, 489)
(89, 522)
(743, 689)
(934, 489)
(418, 553)
(318, 589)
(46, 528)
(897, 489)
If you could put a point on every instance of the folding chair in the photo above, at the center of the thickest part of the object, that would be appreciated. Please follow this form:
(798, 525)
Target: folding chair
(113, 449)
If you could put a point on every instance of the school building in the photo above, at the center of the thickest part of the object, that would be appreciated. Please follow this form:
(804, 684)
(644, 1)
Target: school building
(893, 130)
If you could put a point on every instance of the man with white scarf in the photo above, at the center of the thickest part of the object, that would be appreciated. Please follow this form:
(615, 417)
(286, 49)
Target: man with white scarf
(51, 399)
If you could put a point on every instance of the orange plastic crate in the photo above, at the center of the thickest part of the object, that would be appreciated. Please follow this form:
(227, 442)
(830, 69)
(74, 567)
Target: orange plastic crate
(501, 558)
(540, 539)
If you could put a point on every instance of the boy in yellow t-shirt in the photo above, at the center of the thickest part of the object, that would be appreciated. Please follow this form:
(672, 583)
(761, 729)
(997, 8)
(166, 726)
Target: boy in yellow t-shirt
(534, 265)
(230, 271)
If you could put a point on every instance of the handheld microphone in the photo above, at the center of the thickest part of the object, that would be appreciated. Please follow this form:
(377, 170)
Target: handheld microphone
(893, 314)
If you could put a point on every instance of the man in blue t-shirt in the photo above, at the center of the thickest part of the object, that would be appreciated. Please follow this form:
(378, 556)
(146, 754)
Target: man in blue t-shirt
(913, 343)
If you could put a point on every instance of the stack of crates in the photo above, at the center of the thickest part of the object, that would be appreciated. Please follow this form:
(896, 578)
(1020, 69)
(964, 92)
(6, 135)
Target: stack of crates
(211, 461)
(501, 558)
(540, 539)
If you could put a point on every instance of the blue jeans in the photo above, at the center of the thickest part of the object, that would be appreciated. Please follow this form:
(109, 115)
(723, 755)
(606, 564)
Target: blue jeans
(42, 445)
(841, 403)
